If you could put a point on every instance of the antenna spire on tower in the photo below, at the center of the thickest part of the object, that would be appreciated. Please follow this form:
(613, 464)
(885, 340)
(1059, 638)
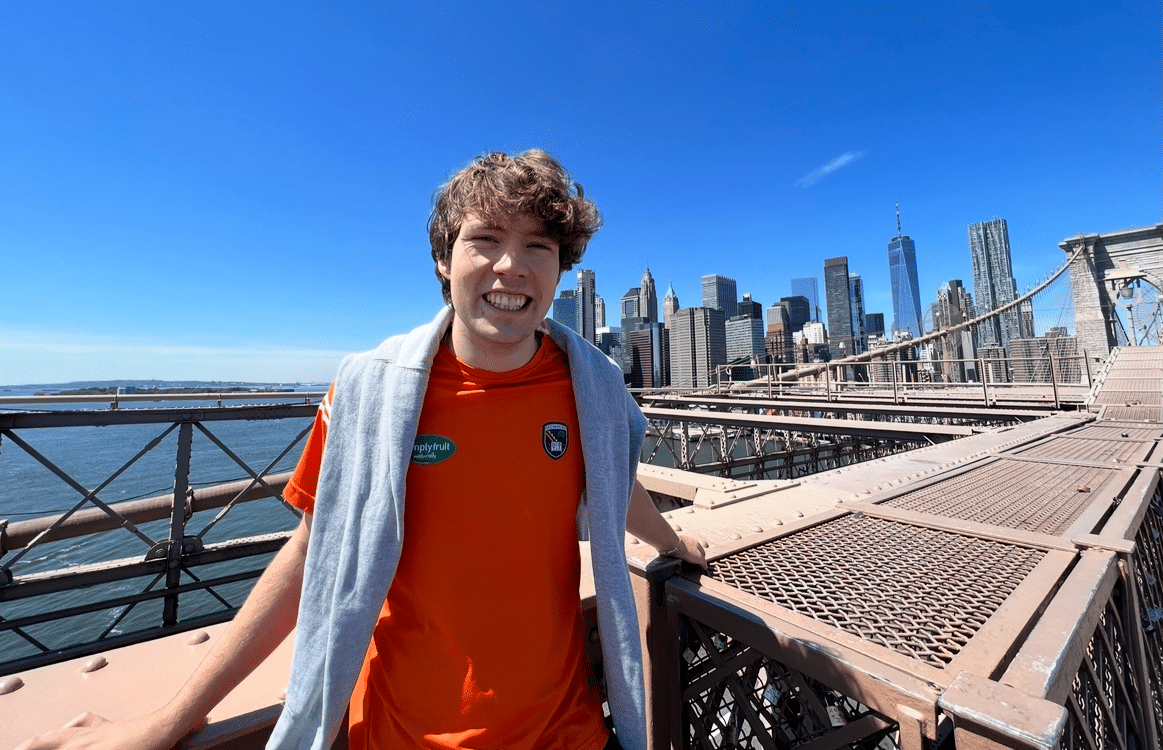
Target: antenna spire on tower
(898, 220)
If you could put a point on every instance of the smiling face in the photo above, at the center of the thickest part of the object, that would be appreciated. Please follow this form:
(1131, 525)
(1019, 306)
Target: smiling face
(503, 275)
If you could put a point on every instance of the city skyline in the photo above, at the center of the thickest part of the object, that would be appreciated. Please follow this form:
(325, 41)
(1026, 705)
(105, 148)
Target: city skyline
(212, 193)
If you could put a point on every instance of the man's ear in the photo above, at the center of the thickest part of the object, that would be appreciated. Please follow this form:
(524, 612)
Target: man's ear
(443, 270)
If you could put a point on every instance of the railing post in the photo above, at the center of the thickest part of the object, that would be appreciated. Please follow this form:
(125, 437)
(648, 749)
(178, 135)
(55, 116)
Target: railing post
(983, 376)
(1053, 377)
(1089, 375)
(892, 369)
(177, 523)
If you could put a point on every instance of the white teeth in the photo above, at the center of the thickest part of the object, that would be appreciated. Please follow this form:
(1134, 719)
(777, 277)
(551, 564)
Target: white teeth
(508, 302)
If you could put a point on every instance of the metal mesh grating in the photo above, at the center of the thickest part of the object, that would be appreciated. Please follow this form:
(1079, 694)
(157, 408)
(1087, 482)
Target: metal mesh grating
(1025, 495)
(1106, 431)
(1083, 449)
(901, 586)
(1133, 414)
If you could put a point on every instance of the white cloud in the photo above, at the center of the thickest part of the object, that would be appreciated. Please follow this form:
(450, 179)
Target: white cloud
(843, 160)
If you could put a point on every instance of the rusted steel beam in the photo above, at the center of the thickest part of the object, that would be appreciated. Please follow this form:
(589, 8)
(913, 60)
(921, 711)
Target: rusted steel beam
(82, 576)
(304, 396)
(22, 420)
(929, 411)
(894, 430)
(17, 534)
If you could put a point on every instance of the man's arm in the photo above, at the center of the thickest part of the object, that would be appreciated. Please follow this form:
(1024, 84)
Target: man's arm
(262, 623)
(645, 522)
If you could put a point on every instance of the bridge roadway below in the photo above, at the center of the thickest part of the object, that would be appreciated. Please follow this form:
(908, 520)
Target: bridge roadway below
(1004, 587)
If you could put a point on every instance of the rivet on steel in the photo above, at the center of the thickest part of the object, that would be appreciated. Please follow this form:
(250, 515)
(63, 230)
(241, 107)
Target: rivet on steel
(200, 637)
(10, 684)
(92, 665)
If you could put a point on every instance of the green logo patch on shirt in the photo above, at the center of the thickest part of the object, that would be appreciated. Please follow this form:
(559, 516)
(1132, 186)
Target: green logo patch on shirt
(432, 449)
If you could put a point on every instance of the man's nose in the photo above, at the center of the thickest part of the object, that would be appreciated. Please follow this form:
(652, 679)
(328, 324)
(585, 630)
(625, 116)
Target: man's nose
(510, 260)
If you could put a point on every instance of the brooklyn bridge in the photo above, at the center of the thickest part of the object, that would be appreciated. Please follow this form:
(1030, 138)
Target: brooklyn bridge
(906, 552)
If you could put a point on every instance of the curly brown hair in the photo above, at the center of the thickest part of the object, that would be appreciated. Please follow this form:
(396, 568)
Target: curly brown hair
(495, 185)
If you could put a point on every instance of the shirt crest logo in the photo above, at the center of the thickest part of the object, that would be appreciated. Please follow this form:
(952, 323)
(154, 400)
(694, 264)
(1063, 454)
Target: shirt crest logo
(555, 439)
(432, 449)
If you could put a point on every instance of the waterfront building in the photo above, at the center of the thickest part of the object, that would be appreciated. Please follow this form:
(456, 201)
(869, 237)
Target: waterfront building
(1033, 358)
(778, 341)
(856, 300)
(873, 326)
(745, 345)
(836, 295)
(955, 355)
(749, 308)
(630, 304)
(670, 304)
(906, 293)
(643, 353)
(565, 309)
(698, 343)
(609, 340)
(719, 293)
(994, 362)
(647, 298)
(899, 365)
(799, 310)
(808, 288)
(586, 299)
(993, 281)
(815, 332)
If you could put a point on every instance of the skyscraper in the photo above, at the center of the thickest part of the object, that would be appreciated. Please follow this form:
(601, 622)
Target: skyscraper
(565, 309)
(586, 294)
(629, 304)
(698, 342)
(749, 308)
(809, 289)
(599, 314)
(719, 293)
(856, 301)
(799, 310)
(839, 307)
(993, 281)
(647, 298)
(906, 294)
(956, 353)
(670, 304)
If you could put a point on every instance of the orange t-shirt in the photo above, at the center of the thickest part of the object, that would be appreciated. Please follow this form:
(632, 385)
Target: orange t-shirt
(480, 643)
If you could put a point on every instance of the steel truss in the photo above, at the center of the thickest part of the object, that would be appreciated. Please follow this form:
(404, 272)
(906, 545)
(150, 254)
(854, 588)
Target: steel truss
(167, 562)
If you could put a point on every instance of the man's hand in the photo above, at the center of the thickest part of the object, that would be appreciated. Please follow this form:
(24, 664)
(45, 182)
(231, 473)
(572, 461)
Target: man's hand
(92, 732)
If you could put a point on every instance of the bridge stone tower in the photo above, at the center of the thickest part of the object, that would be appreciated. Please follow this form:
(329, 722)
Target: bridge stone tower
(1108, 263)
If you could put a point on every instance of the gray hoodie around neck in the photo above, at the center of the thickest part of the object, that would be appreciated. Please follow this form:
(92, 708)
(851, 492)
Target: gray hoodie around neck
(357, 530)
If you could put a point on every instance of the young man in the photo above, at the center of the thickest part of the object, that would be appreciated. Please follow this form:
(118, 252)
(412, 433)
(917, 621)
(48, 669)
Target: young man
(456, 624)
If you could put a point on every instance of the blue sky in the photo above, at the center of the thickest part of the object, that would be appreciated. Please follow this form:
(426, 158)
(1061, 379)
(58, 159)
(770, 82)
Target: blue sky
(234, 191)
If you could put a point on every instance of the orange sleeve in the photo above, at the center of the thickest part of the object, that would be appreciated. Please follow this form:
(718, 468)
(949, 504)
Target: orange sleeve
(300, 490)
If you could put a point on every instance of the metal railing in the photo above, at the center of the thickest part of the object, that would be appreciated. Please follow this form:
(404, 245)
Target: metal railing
(987, 380)
(90, 577)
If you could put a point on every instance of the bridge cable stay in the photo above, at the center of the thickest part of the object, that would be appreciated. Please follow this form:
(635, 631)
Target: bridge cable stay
(884, 352)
